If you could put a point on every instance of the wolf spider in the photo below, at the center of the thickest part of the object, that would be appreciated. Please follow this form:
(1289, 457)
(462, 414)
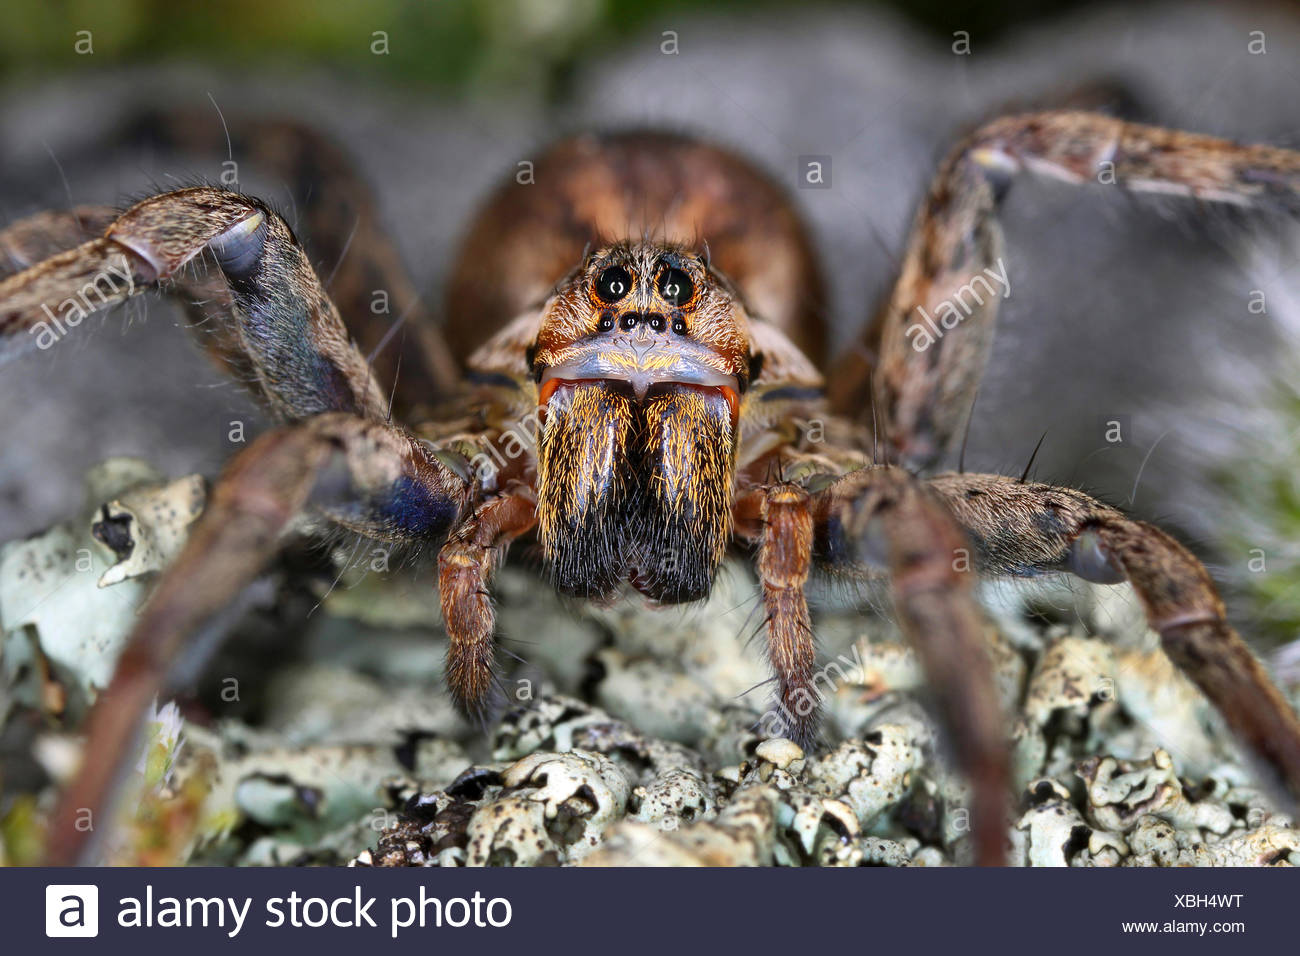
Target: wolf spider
(649, 304)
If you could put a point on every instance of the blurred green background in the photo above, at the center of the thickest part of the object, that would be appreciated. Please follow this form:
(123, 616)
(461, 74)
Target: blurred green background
(469, 45)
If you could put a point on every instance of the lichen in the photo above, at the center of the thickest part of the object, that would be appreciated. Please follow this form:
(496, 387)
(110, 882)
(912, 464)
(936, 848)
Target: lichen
(633, 738)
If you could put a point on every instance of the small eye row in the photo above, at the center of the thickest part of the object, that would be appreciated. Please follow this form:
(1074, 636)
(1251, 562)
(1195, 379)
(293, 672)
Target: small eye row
(674, 285)
(630, 320)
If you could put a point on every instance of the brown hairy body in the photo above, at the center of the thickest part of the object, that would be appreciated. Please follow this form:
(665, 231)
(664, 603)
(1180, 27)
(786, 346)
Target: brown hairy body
(640, 334)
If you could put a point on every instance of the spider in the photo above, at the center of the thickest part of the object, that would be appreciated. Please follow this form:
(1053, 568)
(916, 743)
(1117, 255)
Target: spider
(635, 329)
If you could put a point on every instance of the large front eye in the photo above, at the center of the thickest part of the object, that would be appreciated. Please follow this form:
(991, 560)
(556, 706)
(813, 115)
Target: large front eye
(613, 284)
(675, 286)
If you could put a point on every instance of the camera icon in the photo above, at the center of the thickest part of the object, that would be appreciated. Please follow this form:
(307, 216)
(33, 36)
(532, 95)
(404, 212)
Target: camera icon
(71, 909)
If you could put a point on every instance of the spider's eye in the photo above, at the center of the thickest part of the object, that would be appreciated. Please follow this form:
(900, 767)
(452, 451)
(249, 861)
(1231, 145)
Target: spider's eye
(679, 325)
(675, 286)
(613, 284)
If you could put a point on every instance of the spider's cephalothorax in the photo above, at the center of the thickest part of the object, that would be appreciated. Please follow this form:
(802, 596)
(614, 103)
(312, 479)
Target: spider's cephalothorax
(640, 363)
(674, 420)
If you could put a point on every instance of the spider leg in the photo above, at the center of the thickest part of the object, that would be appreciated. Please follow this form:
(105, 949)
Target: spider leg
(343, 458)
(923, 355)
(26, 242)
(202, 293)
(285, 325)
(371, 477)
(784, 559)
(339, 219)
(883, 516)
(465, 566)
(1028, 529)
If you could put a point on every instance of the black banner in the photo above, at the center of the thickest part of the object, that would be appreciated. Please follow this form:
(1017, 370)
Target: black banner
(635, 911)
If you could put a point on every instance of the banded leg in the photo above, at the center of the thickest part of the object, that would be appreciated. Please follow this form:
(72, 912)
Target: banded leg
(1027, 529)
(923, 384)
(883, 516)
(371, 477)
(287, 328)
(465, 566)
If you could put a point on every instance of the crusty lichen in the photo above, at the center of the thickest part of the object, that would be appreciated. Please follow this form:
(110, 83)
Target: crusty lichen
(631, 737)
